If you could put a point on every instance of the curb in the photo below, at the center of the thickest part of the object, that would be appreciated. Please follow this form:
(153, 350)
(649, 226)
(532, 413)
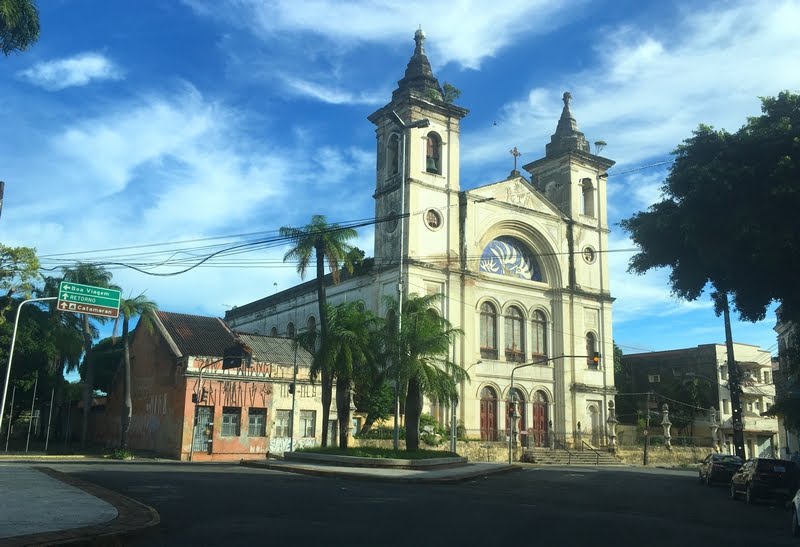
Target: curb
(377, 478)
(132, 516)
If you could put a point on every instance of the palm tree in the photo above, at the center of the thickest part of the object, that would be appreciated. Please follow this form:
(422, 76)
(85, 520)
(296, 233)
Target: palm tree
(425, 341)
(19, 25)
(67, 333)
(328, 243)
(98, 276)
(353, 329)
(129, 308)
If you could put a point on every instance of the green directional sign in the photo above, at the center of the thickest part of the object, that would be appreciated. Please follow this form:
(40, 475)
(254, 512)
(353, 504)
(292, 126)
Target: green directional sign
(79, 298)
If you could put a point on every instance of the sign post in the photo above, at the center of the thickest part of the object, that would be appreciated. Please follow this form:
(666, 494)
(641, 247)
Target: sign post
(77, 298)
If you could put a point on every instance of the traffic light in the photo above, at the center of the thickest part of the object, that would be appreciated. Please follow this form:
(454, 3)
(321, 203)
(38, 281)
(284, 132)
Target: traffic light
(596, 358)
(195, 400)
(204, 395)
(291, 388)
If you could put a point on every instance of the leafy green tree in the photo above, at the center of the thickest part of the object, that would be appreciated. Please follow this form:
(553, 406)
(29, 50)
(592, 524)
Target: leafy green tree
(19, 25)
(98, 276)
(728, 218)
(328, 243)
(450, 93)
(107, 357)
(424, 367)
(19, 273)
(129, 308)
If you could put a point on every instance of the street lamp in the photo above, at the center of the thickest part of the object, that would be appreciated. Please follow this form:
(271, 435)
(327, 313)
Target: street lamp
(405, 127)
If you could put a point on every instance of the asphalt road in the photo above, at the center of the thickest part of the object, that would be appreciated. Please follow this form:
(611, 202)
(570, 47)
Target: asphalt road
(226, 505)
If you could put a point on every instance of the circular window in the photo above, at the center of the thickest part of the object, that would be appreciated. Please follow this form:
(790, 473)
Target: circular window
(433, 219)
(589, 255)
(391, 224)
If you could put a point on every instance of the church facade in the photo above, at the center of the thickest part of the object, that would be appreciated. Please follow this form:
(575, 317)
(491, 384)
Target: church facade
(520, 262)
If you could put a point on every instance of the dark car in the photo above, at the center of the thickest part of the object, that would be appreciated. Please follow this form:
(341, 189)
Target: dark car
(765, 478)
(719, 468)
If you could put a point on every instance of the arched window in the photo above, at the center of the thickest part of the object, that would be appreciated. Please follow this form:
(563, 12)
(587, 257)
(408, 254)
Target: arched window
(515, 335)
(488, 331)
(393, 155)
(488, 414)
(311, 324)
(588, 197)
(433, 155)
(273, 331)
(539, 335)
(290, 330)
(591, 347)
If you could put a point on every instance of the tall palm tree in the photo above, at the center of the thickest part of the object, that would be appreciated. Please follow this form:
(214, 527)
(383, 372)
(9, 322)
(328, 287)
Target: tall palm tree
(19, 25)
(425, 341)
(328, 243)
(98, 276)
(129, 308)
(353, 329)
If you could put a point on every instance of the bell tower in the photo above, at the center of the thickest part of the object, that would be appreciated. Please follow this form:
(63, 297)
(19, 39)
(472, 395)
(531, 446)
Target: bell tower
(416, 171)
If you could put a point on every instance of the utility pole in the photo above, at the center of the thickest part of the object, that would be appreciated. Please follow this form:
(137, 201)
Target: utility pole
(647, 430)
(734, 386)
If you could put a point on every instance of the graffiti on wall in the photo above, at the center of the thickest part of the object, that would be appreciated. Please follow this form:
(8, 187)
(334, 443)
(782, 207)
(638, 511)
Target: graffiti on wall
(280, 445)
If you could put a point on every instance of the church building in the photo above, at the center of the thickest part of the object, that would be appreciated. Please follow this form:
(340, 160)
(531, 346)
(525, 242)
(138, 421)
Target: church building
(521, 264)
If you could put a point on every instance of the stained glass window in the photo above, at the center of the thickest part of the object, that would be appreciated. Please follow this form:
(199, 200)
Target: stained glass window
(508, 256)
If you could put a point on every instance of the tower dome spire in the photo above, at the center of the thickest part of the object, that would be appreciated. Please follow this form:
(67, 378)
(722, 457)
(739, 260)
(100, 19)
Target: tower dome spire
(419, 75)
(567, 136)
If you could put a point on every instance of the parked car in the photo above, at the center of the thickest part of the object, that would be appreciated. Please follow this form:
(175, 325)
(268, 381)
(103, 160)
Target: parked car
(795, 506)
(719, 468)
(765, 478)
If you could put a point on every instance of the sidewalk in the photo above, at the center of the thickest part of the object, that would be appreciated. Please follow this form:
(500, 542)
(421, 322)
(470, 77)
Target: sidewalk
(41, 506)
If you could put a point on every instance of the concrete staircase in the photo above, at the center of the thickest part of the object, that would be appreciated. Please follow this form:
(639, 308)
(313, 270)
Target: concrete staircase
(560, 456)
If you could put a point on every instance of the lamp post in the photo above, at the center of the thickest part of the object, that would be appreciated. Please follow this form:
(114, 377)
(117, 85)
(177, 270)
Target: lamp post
(405, 127)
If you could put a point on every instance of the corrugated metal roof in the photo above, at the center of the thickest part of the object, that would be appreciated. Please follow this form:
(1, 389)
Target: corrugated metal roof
(271, 349)
(197, 335)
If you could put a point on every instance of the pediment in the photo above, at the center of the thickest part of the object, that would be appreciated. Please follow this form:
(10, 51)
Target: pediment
(518, 192)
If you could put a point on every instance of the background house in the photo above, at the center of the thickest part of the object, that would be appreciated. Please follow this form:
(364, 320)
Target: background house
(241, 412)
(694, 379)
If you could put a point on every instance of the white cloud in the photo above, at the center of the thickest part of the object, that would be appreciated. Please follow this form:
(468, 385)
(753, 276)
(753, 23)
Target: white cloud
(466, 31)
(79, 70)
(333, 95)
(650, 88)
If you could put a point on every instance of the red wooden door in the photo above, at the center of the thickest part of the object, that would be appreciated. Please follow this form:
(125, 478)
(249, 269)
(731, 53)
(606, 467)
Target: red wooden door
(488, 415)
(539, 424)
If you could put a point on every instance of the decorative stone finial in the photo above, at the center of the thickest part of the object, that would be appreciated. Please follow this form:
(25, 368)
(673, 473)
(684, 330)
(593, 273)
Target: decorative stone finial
(567, 97)
(419, 38)
(567, 137)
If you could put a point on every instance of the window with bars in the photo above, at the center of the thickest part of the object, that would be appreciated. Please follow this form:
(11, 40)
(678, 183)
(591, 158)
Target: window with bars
(308, 420)
(283, 420)
(231, 417)
(257, 422)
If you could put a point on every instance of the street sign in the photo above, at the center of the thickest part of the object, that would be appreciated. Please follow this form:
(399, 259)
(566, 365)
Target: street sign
(78, 298)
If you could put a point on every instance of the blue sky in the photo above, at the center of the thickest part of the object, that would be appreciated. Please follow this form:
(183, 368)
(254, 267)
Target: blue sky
(149, 122)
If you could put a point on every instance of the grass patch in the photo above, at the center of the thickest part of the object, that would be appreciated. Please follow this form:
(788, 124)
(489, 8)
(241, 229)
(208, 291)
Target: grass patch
(375, 452)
